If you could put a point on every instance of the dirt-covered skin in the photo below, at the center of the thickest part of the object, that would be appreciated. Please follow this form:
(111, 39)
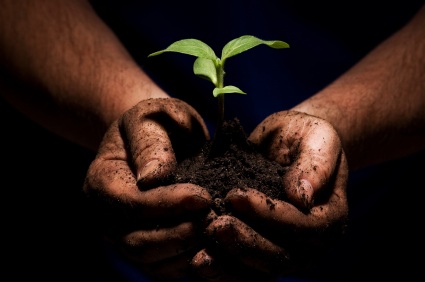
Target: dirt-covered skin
(256, 214)
(158, 228)
(311, 150)
(171, 227)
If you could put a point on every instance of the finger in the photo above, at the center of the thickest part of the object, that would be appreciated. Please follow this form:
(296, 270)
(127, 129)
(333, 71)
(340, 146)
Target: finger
(205, 266)
(165, 253)
(305, 236)
(265, 214)
(162, 243)
(250, 248)
(152, 127)
(161, 203)
(154, 245)
(315, 162)
(309, 147)
(172, 269)
(216, 268)
(111, 178)
(120, 206)
(123, 204)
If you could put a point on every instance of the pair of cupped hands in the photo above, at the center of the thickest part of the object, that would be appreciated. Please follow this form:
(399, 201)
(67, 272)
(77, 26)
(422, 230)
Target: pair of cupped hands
(170, 231)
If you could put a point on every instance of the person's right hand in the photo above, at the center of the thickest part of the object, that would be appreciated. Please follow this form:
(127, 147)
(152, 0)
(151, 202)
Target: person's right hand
(155, 224)
(264, 237)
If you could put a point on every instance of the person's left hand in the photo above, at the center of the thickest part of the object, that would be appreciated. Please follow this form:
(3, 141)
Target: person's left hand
(265, 237)
(157, 226)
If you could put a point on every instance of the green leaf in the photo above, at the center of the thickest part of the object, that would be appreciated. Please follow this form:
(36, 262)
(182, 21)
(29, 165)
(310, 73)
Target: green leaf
(190, 46)
(227, 90)
(205, 68)
(246, 42)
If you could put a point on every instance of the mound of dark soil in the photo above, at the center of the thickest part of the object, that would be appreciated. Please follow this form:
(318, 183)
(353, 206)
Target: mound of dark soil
(231, 161)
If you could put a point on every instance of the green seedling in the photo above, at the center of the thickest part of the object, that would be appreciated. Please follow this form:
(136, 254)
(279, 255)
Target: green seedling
(210, 67)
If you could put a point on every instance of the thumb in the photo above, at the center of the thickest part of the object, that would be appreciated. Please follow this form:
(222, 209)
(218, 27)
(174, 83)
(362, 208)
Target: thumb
(314, 165)
(152, 153)
(148, 128)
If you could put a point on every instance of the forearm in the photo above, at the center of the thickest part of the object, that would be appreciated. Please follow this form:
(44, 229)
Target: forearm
(378, 106)
(74, 76)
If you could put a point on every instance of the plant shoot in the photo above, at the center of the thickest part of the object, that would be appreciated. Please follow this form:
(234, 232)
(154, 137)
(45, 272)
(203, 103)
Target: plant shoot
(210, 67)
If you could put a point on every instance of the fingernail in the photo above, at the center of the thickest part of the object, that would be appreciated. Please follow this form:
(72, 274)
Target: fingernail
(148, 169)
(305, 191)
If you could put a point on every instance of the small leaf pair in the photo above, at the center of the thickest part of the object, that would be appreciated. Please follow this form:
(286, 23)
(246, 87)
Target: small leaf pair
(210, 67)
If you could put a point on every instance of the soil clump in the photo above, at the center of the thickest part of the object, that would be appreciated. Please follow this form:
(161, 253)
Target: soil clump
(230, 161)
